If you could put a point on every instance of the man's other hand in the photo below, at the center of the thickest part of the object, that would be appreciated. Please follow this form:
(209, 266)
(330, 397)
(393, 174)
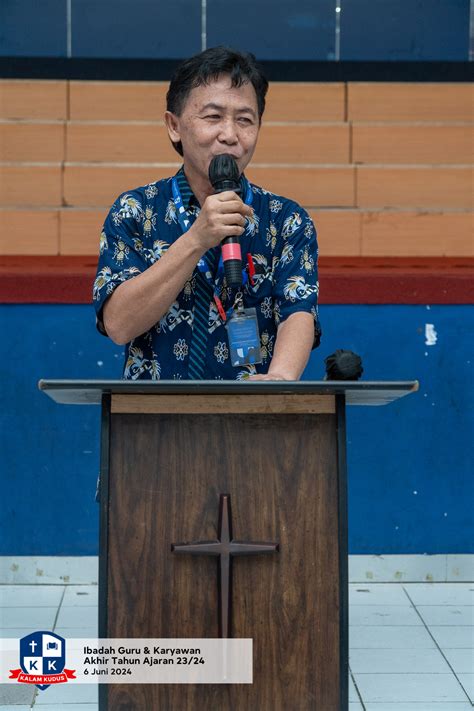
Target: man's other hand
(268, 376)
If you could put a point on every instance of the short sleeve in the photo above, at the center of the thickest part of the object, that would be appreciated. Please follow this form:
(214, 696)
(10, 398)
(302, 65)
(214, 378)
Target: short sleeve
(295, 275)
(122, 253)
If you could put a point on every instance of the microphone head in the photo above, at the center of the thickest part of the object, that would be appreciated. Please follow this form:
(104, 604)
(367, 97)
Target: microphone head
(343, 365)
(224, 173)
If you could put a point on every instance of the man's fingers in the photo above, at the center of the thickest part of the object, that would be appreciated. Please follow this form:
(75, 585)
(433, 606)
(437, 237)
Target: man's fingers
(230, 202)
(222, 215)
(227, 195)
(235, 206)
(232, 231)
(233, 218)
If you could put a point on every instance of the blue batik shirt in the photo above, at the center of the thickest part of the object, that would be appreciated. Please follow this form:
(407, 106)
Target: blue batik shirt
(281, 241)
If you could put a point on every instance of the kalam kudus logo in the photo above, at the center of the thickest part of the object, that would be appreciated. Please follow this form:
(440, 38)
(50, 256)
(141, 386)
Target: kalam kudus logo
(42, 660)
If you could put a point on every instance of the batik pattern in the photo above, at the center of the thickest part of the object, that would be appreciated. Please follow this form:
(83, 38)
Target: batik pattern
(279, 242)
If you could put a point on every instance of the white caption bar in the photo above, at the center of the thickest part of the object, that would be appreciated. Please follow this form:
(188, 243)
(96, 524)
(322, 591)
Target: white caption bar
(133, 661)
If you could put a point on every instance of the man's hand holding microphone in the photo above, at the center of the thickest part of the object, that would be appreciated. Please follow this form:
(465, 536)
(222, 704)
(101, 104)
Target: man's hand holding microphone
(222, 215)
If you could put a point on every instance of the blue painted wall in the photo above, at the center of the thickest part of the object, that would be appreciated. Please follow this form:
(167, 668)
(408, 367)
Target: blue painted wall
(275, 29)
(272, 29)
(410, 472)
(407, 30)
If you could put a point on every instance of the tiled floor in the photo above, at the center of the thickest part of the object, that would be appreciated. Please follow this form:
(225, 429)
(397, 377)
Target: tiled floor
(411, 644)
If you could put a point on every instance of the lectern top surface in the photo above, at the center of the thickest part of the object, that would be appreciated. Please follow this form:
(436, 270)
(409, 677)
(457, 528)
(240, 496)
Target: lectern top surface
(90, 392)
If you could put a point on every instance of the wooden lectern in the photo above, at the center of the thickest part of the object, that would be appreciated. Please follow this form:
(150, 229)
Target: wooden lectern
(224, 513)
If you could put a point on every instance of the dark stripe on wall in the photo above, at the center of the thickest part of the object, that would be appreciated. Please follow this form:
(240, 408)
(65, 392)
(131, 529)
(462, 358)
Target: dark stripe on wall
(162, 69)
(68, 280)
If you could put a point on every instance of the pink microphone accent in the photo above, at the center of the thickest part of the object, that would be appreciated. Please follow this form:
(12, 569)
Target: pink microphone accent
(231, 251)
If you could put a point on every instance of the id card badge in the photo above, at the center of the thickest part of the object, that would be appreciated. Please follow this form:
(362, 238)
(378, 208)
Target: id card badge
(244, 338)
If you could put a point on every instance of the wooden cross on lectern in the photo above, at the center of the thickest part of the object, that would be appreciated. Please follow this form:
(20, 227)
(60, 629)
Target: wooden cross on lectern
(225, 547)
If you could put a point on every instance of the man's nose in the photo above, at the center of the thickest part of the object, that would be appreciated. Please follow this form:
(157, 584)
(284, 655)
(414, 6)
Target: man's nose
(228, 132)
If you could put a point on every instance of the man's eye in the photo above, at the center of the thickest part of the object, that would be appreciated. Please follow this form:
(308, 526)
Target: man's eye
(212, 116)
(245, 120)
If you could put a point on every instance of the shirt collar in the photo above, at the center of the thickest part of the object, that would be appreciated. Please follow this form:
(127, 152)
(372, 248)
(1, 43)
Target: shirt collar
(187, 195)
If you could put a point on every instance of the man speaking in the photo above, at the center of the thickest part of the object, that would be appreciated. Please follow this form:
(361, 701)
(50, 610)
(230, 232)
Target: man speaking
(205, 275)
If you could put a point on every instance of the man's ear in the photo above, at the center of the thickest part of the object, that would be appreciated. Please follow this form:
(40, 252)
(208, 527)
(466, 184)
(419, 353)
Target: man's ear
(172, 124)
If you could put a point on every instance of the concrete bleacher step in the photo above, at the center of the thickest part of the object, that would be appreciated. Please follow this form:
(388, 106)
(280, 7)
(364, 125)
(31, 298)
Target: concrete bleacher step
(140, 142)
(410, 101)
(383, 168)
(416, 186)
(375, 186)
(31, 184)
(31, 230)
(299, 143)
(341, 232)
(421, 142)
(279, 142)
(146, 101)
(148, 142)
(32, 141)
(298, 101)
(33, 99)
(306, 101)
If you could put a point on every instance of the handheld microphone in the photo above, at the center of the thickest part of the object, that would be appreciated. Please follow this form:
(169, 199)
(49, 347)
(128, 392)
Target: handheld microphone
(224, 175)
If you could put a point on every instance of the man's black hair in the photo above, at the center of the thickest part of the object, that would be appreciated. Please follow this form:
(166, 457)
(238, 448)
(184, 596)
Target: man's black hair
(206, 67)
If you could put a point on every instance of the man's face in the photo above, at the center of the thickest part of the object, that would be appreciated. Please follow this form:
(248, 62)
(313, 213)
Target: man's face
(217, 118)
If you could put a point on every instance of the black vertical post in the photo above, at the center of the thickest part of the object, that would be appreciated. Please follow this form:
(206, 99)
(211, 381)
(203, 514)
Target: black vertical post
(343, 552)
